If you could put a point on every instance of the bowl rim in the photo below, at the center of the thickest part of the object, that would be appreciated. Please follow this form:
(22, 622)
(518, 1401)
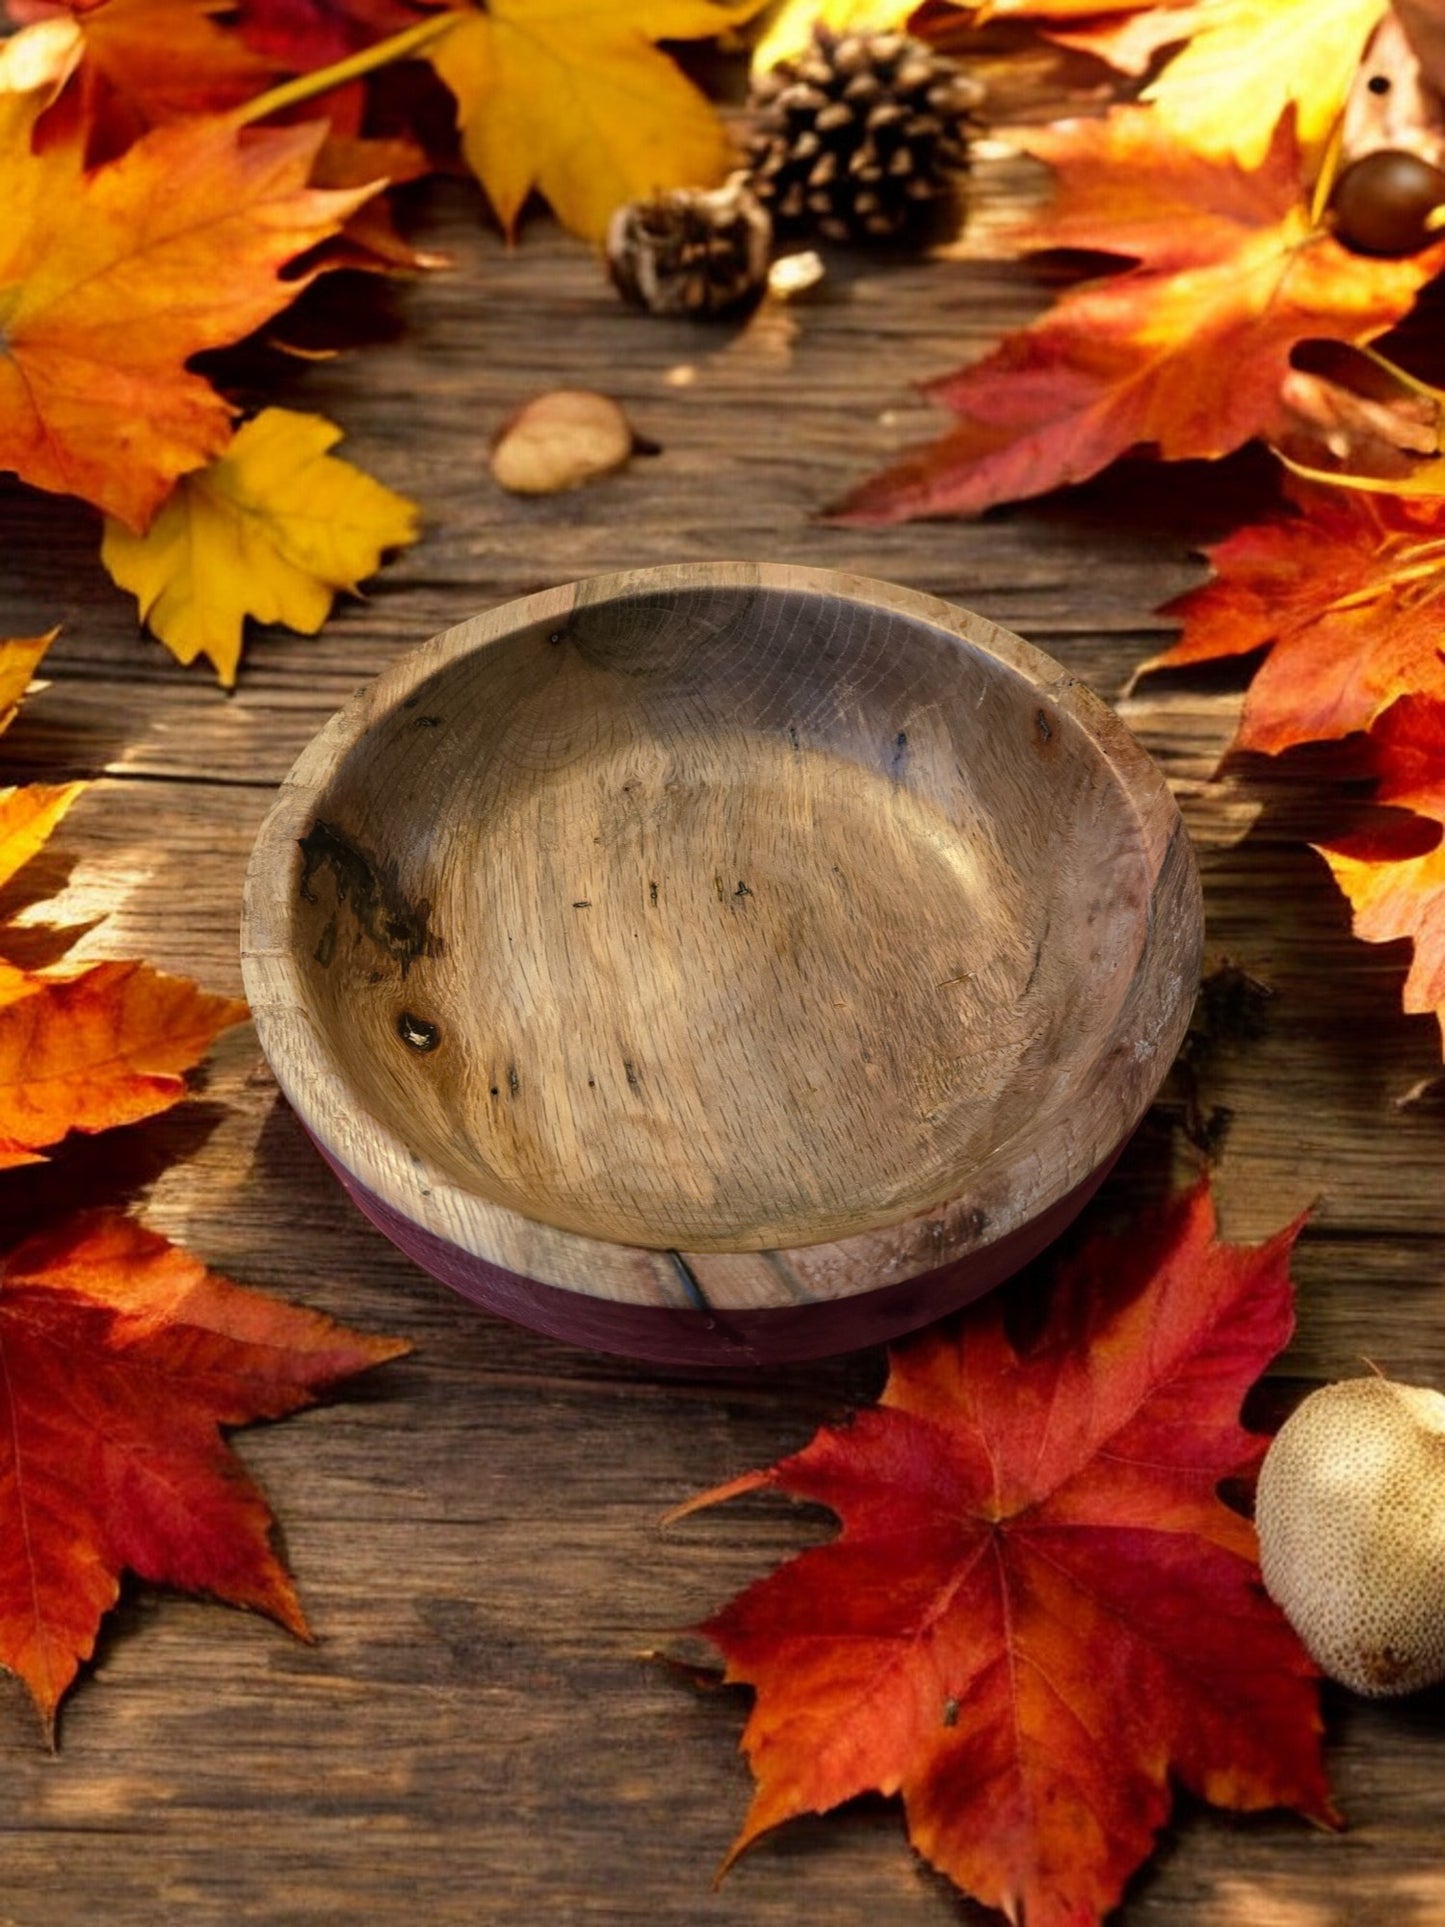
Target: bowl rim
(1020, 1178)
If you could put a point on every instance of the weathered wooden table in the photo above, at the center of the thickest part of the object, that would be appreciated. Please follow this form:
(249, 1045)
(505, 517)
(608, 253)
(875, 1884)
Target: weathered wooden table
(475, 1737)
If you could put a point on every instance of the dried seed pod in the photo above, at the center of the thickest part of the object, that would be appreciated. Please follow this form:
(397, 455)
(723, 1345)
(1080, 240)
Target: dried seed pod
(560, 440)
(692, 251)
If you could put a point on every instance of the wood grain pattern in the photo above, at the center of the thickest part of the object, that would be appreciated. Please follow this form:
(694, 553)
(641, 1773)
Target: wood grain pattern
(723, 938)
(474, 1738)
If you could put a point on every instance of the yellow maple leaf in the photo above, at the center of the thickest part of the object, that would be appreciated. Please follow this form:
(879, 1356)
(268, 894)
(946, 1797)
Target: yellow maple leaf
(578, 103)
(27, 816)
(30, 813)
(1251, 59)
(19, 659)
(790, 27)
(274, 528)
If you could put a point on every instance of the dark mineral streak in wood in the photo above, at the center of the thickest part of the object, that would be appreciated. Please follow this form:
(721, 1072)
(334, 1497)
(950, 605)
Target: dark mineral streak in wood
(370, 891)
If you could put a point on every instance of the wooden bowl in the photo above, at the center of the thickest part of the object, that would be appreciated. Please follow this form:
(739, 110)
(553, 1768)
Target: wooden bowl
(722, 962)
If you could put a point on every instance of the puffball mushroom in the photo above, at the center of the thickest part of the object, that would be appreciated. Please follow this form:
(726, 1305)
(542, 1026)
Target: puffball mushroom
(1350, 1512)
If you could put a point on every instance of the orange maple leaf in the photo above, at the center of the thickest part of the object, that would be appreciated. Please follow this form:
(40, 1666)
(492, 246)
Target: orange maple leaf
(97, 1049)
(1037, 1607)
(27, 815)
(140, 63)
(1059, 10)
(121, 1356)
(1344, 593)
(370, 240)
(1395, 895)
(1128, 35)
(84, 1047)
(1129, 41)
(110, 279)
(1182, 355)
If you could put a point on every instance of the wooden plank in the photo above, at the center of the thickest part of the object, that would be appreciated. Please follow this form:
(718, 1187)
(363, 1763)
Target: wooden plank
(474, 1529)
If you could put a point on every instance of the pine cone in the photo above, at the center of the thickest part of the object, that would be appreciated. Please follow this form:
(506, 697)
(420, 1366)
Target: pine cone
(690, 251)
(857, 136)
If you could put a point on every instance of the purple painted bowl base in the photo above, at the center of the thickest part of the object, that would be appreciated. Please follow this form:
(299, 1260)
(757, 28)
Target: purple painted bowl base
(723, 1338)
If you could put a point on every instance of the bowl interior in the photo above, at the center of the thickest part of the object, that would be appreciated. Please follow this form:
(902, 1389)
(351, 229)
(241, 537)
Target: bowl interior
(722, 920)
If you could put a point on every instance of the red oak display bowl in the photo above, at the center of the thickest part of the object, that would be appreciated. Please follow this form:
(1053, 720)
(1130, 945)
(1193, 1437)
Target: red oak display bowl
(722, 963)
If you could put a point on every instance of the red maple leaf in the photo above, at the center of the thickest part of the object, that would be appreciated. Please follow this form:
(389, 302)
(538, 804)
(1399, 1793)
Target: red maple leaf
(1183, 354)
(304, 34)
(121, 1356)
(1408, 744)
(1397, 892)
(1345, 594)
(141, 63)
(1038, 1607)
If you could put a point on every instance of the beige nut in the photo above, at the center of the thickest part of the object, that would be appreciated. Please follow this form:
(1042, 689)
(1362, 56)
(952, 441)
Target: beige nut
(561, 440)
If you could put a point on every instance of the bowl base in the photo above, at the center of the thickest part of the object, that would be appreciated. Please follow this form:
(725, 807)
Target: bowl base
(716, 1339)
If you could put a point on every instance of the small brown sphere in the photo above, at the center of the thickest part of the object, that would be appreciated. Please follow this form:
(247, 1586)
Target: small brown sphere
(1382, 202)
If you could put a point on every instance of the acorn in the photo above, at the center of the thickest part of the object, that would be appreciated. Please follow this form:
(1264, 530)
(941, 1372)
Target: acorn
(1350, 1513)
(1388, 203)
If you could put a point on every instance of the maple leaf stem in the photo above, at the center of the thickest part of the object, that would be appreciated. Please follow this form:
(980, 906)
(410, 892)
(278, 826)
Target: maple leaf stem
(307, 86)
(1329, 170)
(1415, 584)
